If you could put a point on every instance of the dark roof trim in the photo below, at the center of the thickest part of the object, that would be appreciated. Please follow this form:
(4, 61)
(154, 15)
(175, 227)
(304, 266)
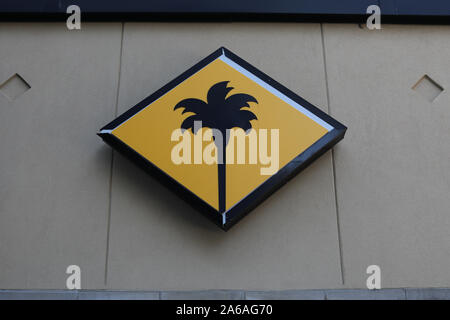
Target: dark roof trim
(352, 11)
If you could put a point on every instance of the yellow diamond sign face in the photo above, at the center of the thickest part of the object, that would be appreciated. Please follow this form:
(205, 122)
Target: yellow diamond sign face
(223, 135)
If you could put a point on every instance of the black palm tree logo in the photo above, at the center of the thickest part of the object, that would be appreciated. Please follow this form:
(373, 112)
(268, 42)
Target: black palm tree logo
(220, 113)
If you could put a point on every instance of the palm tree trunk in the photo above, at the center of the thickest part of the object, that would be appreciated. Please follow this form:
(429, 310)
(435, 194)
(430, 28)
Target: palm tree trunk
(222, 178)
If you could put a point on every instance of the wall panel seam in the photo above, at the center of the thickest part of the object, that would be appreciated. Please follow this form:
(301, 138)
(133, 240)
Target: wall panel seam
(116, 108)
(341, 260)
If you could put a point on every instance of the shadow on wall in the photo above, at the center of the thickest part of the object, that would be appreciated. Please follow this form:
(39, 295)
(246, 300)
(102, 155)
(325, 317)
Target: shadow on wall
(150, 196)
(159, 199)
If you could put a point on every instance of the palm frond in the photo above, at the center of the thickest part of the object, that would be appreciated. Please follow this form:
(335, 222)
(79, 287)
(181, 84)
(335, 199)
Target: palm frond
(243, 120)
(188, 123)
(240, 100)
(243, 124)
(191, 105)
(218, 112)
(247, 115)
(217, 93)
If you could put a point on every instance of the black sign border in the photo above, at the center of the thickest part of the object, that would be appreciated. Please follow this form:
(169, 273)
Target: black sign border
(272, 184)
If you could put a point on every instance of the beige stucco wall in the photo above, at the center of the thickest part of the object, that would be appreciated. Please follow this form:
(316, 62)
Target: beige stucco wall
(381, 197)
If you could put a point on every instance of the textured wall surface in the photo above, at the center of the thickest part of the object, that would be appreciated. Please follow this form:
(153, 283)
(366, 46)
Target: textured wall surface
(54, 175)
(381, 197)
(393, 170)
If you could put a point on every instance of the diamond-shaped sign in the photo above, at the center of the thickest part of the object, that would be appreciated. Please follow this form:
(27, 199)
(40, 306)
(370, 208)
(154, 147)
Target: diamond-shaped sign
(223, 135)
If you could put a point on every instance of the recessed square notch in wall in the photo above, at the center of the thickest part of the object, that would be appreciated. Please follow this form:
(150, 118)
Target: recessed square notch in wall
(14, 87)
(428, 88)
